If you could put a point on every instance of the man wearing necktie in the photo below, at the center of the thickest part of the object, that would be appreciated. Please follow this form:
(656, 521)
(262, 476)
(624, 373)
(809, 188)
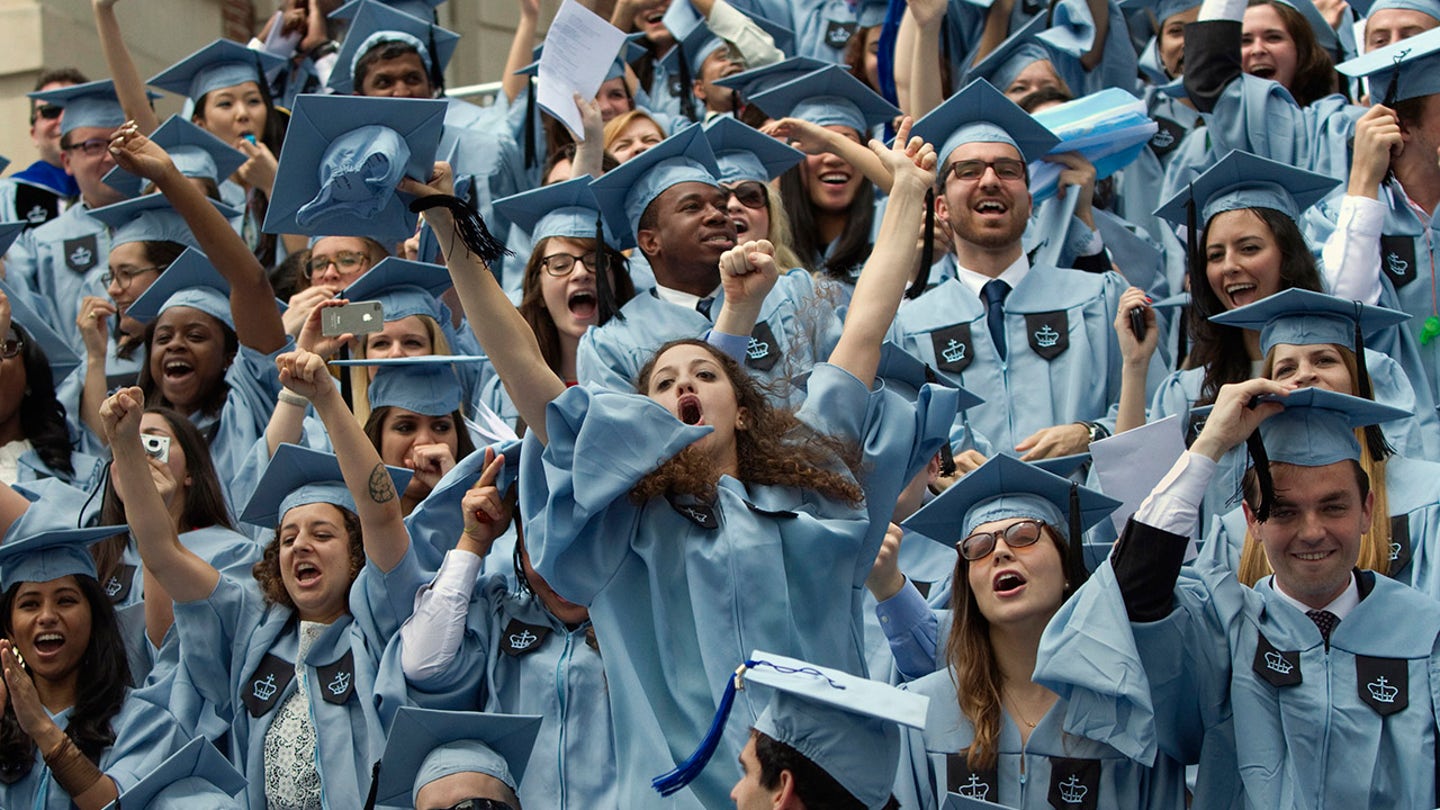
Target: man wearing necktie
(1271, 690)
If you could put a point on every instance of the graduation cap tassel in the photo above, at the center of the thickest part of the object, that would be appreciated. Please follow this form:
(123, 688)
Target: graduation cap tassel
(1261, 461)
(437, 78)
(947, 454)
(530, 124)
(927, 249)
(687, 94)
(469, 226)
(687, 771)
(1374, 437)
(374, 786)
(1075, 552)
(609, 307)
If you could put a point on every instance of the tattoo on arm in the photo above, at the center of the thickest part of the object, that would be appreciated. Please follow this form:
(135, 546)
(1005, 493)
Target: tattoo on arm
(382, 489)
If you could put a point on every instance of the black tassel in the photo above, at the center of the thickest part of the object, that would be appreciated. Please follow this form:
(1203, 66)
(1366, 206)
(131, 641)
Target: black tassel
(609, 307)
(927, 249)
(469, 226)
(1261, 461)
(1075, 553)
(1375, 442)
(687, 93)
(530, 124)
(374, 787)
(437, 78)
(947, 455)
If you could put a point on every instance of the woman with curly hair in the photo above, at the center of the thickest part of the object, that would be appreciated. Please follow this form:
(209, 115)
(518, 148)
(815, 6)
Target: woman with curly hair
(291, 658)
(692, 518)
(72, 733)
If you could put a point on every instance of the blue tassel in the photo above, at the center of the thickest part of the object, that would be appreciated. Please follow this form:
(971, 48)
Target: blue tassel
(689, 770)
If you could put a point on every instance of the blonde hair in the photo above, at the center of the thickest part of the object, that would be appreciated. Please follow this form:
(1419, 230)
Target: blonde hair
(360, 375)
(618, 124)
(1375, 542)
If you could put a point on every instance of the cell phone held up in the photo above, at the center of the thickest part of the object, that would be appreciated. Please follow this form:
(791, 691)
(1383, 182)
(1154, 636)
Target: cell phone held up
(358, 318)
(1137, 323)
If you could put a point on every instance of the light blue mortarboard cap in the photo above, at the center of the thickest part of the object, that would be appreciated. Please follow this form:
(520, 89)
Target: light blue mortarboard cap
(151, 218)
(375, 23)
(1242, 180)
(847, 725)
(427, 744)
(979, 113)
(195, 152)
(425, 385)
(62, 358)
(197, 777)
(297, 476)
(828, 97)
(342, 158)
(1317, 426)
(1006, 487)
(223, 63)
(51, 555)
(898, 366)
(1163, 9)
(1304, 318)
(627, 190)
(1428, 7)
(403, 288)
(9, 232)
(423, 9)
(93, 104)
(190, 281)
(1402, 70)
(1018, 51)
(757, 80)
(567, 209)
(745, 153)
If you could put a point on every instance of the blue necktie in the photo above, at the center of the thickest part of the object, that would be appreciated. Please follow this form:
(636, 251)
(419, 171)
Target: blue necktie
(703, 306)
(995, 292)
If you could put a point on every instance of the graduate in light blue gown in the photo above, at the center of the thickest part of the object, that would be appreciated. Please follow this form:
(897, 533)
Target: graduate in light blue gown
(507, 643)
(78, 734)
(1060, 364)
(1272, 689)
(454, 759)
(667, 560)
(289, 656)
(992, 733)
(1310, 340)
(672, 190)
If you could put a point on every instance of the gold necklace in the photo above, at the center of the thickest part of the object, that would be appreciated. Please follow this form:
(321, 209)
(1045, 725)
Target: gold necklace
(1016, 711)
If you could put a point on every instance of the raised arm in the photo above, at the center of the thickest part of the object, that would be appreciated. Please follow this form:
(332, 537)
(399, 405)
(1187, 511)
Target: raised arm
(917, 79)
(504, 335)
(179, 570)
(513, 84)
(129, 87)
(815, 140)
(377, 504)
(1136, 353)
(252, 299)
(892, 262)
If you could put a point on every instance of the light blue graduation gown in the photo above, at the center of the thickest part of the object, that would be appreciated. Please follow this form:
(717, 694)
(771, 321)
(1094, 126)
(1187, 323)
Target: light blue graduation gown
(145, 735)
(802, 324)
(676, 605)
(1239, 681)
(254, 384)
(822, 27)
(58, 264)
(1054, 768)
(1063, 363)
(517, 658)
(239, 653)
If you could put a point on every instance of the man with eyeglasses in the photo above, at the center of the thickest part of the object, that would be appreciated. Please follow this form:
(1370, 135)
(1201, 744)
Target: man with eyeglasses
(42, 190)
(60, 262)
(1037, 342)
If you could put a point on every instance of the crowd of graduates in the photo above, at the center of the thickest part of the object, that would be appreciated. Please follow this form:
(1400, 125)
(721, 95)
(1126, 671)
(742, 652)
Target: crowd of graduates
(364, 446)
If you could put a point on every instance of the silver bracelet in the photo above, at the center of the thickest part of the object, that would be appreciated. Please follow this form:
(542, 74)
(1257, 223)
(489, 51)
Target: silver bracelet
(292, 398)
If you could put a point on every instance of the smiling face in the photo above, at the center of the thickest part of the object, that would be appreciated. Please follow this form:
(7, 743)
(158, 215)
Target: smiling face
(315, 560)
(1242, 258)
(829, 180)
(651, 23)
(1312, 538)
(187, 356)
(404, 337)
(988, 212)
(1318, 366)
(45, 132)
(50, 625)
(1267, 49)
(570, 299)
(89, 164)
(132, 274)
(231, 113)
(692, 385)
(1017, 586)
(1170, 42)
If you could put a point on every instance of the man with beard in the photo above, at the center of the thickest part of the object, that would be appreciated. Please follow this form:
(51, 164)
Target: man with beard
(668, 203)
(1036, 342)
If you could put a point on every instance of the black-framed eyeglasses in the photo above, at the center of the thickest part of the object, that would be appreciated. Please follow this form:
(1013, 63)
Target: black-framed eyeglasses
(47, 111)
(1019, 534)
(750, 193)
(970, 171)
(480, 804)
(123, 277)
(91, 148)
(11, 347)
(345, 261)
(561, 265)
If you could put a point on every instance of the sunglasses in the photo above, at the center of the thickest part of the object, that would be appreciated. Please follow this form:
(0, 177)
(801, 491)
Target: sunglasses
(47, 111)
(1017, 535)
(750, 193)
(11, 347)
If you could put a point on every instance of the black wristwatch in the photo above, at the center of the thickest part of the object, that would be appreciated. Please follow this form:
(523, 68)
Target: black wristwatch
(1097, 431)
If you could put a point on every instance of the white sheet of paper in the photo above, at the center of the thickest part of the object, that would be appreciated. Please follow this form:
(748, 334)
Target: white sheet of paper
(1130, 464)
(579, 48)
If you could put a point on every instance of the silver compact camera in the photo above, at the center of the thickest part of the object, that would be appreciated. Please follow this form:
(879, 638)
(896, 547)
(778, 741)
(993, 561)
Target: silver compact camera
(156, 447)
